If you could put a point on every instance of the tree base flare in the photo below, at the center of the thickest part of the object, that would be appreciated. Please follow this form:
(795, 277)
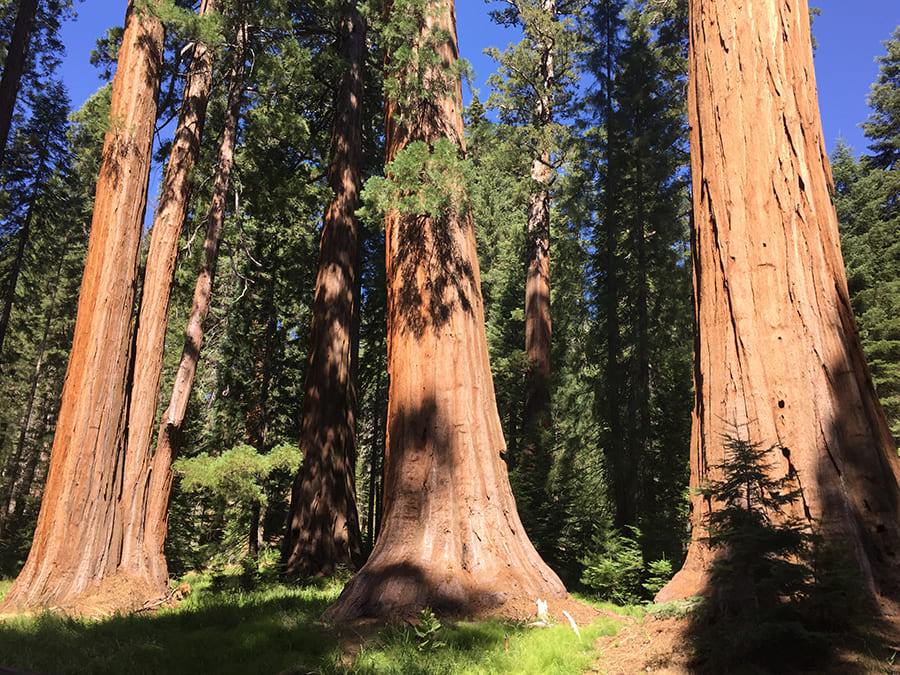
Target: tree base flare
(118, 594)
(404, 590)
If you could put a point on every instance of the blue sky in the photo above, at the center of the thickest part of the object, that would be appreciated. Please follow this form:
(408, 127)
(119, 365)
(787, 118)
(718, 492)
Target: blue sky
(849, 32)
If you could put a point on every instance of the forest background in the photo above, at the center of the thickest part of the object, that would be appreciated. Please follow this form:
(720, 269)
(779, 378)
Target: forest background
(621, 384)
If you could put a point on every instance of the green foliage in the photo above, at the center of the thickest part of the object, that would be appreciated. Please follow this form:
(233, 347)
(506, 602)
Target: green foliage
(658, 574)
(677, 609)
(774, 587)
(415, 73)
(428, 631)
(635, 215)
(423, 179)
(184, 22)
(615, 570)
(222, 494)
(238, 474)
(867, 199)
(765, 549)
(883, 125)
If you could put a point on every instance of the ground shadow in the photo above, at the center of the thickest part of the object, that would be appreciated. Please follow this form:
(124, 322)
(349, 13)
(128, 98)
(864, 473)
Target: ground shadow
(838, 612)
(218, 636)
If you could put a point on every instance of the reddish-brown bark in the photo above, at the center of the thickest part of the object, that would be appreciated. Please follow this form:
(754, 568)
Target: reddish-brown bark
(14, 67)
(450, 537)
(537, 268)
(777, 353)
(76, 549)
(168, 440)
(323, 525)
(146, 528)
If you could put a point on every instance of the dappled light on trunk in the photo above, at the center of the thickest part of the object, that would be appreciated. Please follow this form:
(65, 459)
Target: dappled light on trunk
(451, 538)
(323, 526)
(777, 351)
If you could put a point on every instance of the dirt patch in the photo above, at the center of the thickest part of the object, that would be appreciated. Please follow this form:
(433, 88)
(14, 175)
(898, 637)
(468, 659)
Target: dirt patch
(665, 646)
(119, 594)
(643, 646)
(526, 609)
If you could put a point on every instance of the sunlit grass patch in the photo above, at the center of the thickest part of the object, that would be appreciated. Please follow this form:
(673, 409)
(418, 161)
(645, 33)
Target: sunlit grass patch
(276, 628)
(482, 648)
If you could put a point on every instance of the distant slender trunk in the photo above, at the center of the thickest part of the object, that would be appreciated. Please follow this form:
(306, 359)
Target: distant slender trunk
(168, 441)
(616, 446)
(451, 538)
(778, 354)
(537, 274)
(641, 446)
(19, 481)
(258, 431)
(23, 235)
(14, 67)
(323, 526)
(144, 539)
(76, 549)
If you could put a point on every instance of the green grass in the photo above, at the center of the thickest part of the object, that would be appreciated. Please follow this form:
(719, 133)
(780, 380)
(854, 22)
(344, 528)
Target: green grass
(275, 629)
(481, 648)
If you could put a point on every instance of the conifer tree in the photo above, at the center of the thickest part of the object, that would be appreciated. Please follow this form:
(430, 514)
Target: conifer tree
(533, 92)
(865, 197)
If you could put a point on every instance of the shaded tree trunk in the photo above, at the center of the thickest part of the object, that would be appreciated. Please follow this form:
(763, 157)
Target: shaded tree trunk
(45, 126)
(19, 261)
(537, 274)
(76, 551)
(14, 67)
(24, 463)
(168, 440)
(323, 525)
(146, 530)
(616, 447)
(450, 538)
(777, 351)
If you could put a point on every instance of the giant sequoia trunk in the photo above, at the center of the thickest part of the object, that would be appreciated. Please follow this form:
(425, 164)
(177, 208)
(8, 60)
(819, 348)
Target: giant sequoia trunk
(323, 525)
(168, 440)
(77, 546)
(147, 527)
(777, 351)
(450, 537)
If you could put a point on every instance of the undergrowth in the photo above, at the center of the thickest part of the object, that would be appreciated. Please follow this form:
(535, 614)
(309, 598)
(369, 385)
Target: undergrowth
(223, 627)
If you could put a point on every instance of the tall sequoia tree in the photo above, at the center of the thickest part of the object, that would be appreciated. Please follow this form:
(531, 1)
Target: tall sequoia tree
(148, 525)
(323, 525)
(77, 549)
(533, 95)
(168, 440)
(450, 537)
(778, 356)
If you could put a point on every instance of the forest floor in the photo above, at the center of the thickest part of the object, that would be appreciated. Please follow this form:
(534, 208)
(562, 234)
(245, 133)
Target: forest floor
(234, 625)
(673, 646)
